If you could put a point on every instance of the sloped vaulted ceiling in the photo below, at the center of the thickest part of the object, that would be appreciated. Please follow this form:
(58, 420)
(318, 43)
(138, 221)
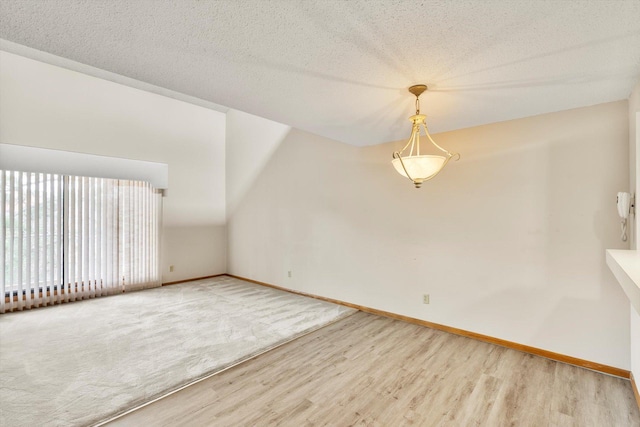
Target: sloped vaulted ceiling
(341, 68)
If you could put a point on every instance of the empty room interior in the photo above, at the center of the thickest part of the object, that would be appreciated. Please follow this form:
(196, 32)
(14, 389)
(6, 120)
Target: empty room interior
(300, 213)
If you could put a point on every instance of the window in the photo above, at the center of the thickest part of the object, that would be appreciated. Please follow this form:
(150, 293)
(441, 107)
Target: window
(68, 238)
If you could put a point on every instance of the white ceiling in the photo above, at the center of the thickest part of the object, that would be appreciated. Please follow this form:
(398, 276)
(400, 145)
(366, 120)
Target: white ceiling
(340, 69)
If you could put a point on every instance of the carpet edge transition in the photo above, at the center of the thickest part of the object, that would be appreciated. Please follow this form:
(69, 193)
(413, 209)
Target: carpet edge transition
(223, 368)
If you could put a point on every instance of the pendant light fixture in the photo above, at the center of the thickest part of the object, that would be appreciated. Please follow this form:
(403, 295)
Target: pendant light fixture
(408, 161)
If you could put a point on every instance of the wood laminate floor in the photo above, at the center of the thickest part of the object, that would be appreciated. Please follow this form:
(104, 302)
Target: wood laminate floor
(373, 371)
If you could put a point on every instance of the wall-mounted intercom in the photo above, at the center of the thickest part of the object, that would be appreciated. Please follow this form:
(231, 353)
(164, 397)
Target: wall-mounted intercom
(625, 208)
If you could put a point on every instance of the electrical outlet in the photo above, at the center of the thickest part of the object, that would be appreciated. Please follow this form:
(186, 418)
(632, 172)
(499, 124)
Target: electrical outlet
(171, 269)
(425, 299)
(289, 273)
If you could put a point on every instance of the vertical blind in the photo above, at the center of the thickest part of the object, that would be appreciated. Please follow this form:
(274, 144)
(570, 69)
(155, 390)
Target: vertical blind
(68, 238)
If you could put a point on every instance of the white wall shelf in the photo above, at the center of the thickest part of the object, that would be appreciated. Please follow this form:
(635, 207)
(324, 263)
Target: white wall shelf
(625, 265)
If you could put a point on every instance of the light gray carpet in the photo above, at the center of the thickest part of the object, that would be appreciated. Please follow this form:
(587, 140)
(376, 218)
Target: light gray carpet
(80, 363)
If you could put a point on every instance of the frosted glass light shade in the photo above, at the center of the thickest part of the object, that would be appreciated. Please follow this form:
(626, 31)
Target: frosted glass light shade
(419, 167)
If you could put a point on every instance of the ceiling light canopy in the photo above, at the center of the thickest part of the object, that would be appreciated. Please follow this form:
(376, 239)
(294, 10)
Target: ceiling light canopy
(408, 161)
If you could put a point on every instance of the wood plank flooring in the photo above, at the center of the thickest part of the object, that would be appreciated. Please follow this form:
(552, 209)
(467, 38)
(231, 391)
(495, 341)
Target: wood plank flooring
(373, 371)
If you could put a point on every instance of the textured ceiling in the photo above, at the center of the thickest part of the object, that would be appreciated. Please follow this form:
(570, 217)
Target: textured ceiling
(341, 68)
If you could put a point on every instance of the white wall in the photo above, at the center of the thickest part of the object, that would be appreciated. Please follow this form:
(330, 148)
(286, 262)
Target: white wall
(194, 251)
(508, 242)
(634, 184)
(245, 161)
(45, 106)
(635, 344)
(634, 158)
